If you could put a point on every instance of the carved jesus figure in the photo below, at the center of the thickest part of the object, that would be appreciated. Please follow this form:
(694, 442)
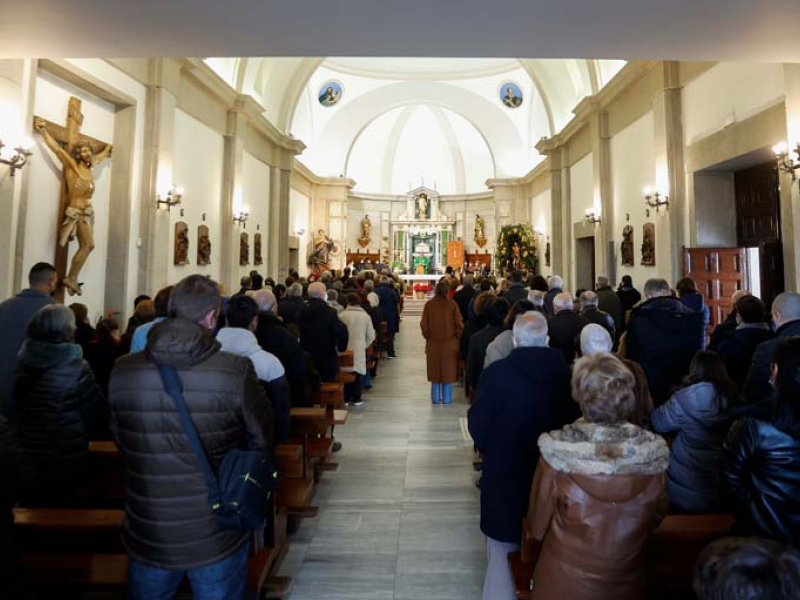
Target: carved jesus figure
(79, 215)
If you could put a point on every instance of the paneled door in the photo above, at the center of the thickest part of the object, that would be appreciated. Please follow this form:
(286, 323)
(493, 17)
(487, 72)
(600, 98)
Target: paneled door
(718, 273)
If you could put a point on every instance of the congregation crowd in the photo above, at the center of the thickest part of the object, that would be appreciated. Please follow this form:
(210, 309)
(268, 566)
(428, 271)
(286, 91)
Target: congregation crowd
(596, 415)
(243, 361)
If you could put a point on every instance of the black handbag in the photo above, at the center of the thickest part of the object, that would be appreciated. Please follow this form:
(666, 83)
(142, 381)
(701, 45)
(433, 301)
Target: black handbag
(240, 493)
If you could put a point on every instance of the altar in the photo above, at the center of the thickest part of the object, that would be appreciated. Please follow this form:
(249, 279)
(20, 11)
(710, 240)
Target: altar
(412, 279)
(421, 235)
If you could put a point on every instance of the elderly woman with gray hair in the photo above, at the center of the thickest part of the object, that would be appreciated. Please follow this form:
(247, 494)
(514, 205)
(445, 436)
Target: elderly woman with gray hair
(59, 405)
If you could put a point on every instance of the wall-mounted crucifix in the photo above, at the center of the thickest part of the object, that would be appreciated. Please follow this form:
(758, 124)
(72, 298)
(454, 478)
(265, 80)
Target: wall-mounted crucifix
(77, 154)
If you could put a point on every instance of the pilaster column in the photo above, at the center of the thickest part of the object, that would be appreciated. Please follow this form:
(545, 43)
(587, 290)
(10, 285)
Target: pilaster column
(159, 135)
(280, 187)
(790, 190)
(670, 174)
(560, 209)
(603, 193)
(231, 200)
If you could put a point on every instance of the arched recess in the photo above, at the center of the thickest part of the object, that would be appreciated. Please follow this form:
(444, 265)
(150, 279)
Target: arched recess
(394, 138)
(509, 152)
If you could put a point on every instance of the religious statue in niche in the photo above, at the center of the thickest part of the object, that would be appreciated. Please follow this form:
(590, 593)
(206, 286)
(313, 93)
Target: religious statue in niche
(626, 247)
(77, 155)
(322, 249)
(181, 244)
(258, 259)
(480, 237)
(366, 232)
(203, 246)
(649, 245)
(244, 250)
(422, 206)
(547, 253)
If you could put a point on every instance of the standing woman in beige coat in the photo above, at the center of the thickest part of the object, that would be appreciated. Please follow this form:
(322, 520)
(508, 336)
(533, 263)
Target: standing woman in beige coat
(360, 334)
(442, 328)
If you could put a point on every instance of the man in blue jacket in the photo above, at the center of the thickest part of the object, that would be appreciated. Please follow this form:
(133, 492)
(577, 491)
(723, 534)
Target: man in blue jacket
(519, 398)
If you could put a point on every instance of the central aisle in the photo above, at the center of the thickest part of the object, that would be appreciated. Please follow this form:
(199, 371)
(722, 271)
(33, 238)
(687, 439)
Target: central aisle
(400, 518)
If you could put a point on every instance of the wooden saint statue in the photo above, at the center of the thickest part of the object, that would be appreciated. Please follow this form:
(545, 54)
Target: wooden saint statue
(547, 253)
(244, 250)
(626, 247)
(181, 244)
(77, 157)
(649, 245)
(203, 246)
(258, 258)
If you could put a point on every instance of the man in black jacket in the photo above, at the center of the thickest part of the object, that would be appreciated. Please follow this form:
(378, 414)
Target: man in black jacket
(9, 466)
(14, 316)
(464, 295)
(786, 317)
(322, 334)
(516, 290)
(737, 348)
(556, 285)
(275, 338)
(565, 326)
(592, 313)
(663, 336)
(170, 530)
(519, 398)
(292, 304)
(729, 325)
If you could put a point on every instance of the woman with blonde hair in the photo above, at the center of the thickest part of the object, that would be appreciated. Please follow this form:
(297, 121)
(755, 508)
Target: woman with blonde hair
(598, 492)
(442, 327)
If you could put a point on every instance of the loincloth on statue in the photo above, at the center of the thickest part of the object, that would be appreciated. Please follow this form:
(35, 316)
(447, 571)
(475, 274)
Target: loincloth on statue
(73, 216)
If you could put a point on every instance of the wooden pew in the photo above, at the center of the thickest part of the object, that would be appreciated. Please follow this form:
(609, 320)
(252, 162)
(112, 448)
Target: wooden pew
(672, 552)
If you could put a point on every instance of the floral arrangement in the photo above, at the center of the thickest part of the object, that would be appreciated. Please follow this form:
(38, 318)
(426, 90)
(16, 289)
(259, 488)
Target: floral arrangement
(422, 287)
(516, 249)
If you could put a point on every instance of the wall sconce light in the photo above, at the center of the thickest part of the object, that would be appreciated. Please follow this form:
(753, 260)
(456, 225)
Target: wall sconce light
(591, 216)
(654, 199)
(299, 232)
(783, 159)
(18, 159)
(241, 217)
(171, 198)
(538, 230)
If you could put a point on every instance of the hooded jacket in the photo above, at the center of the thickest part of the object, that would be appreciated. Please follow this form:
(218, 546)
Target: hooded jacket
(663, 336)
(695, 301)
(697, 456)
(269, 370)
(597, 495)
(757, 386)
(323, 336)
(168, 520)
(519, 398)
(59, 404)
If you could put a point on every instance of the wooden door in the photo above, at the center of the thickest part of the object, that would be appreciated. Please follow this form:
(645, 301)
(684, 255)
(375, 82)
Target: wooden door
(718, 272)
(758, 223)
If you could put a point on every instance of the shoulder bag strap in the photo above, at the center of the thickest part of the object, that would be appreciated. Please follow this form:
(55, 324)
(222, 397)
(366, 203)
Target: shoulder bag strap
(174, 387)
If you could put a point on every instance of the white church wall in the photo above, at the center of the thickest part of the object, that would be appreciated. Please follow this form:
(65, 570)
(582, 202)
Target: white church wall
(255, 195)
(727, 93)
(42, 219)
(10, 129)
(581, 198)
(378, 211)
(197, 167)
(541, 220)
(633, 170)
(300, 220)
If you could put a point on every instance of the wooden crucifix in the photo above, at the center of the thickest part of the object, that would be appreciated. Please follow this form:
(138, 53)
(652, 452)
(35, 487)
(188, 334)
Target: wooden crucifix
(77, 154)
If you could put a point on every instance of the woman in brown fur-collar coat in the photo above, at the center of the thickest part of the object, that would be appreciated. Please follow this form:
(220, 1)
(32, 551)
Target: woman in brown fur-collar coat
(598, 493)
(442, 327)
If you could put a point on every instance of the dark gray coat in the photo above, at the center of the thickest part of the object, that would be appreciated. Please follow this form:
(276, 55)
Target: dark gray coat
(697, 458)
(14, 316)
(168, 519)
(757, 386)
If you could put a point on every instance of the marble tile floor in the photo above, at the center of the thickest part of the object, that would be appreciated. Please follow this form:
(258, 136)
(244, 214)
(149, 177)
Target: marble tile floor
(400, 518)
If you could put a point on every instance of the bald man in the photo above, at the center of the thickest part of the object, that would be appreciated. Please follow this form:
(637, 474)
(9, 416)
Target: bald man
(519, 398)
(322, 334)
(786, 317)
(565, 326)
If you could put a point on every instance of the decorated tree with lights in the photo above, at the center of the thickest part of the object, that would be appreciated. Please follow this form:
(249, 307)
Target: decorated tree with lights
(516, 249)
